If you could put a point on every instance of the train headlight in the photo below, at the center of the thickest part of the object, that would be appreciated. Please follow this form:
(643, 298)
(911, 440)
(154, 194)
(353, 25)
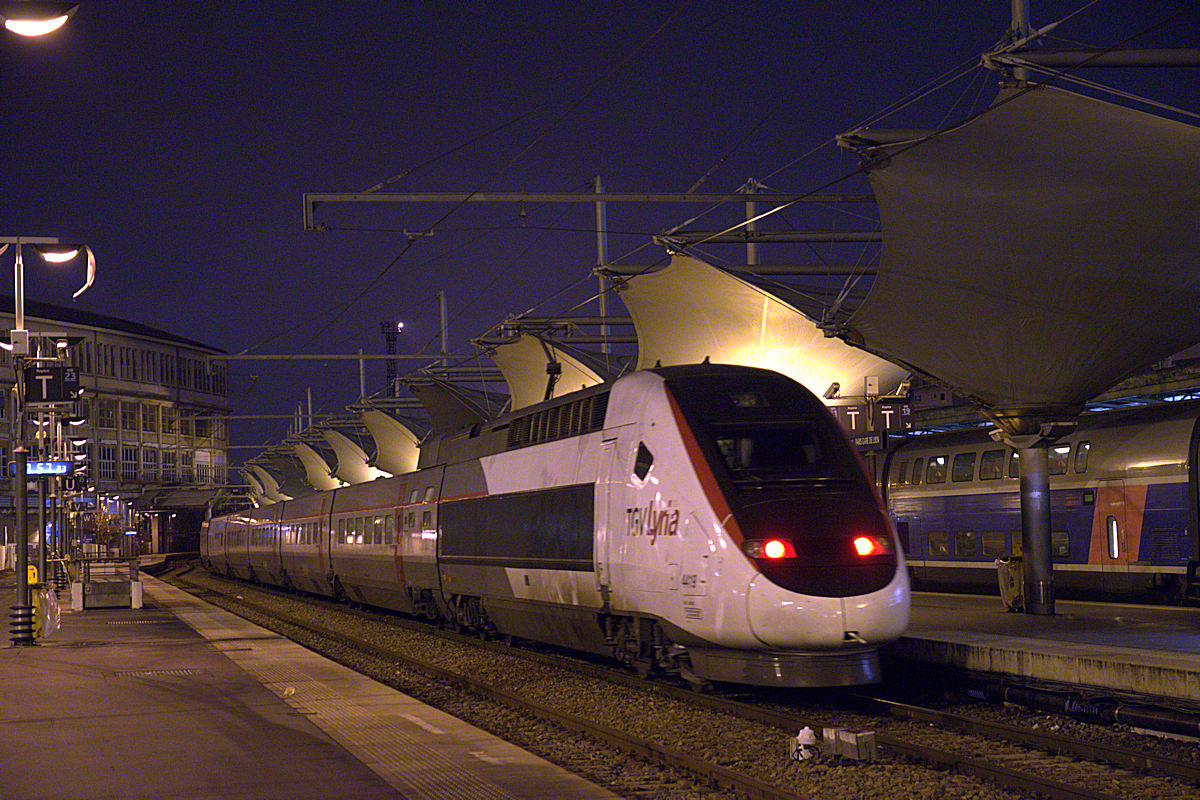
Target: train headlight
(871, 546)
(769, 548)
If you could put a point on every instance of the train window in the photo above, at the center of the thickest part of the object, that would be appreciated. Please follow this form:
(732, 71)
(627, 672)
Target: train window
(426, 520)
(1058, 457)
(1114, 539)
(1060, 545)
(991, 465)
(901, 474)
(379, 530)
(918, 465)
(429, 494)
(412, 498)
(341, 531)
(963, 468)
(993, 542)
(361, 525)
(769, 451)
(1014, 464)
(389, 529)
(966, 544)
(1081, 456)
(643, 462)
(935, 471)
(939, 543)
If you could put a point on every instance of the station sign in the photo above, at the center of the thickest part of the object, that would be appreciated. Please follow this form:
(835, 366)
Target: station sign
(42, 468)
(859, 419)
(45, 385)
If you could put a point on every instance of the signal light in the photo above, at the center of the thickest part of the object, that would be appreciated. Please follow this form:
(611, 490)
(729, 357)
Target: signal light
(871, 546)
(770, 549)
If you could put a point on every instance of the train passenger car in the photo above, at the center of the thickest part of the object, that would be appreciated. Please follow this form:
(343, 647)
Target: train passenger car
(261, 560)
(1123, 504)
(709, 521)
(304, 544)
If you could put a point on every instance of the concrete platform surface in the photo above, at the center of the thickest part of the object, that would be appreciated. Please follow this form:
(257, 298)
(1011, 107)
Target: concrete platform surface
(1128, 649)
(185, 701)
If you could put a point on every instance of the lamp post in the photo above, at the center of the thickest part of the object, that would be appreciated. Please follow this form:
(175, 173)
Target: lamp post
(51, 250)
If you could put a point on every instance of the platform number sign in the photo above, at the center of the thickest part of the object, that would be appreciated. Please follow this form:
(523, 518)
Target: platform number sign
(51, 384)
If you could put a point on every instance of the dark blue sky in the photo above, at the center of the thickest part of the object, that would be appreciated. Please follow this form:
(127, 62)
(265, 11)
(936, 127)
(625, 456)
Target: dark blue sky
(178, 138)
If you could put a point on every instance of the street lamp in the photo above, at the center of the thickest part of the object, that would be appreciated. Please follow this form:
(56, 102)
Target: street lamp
(22, 620)
(35, 19)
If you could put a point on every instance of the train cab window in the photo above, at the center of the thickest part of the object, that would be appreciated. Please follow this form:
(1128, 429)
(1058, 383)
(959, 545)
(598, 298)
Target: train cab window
(963, 468)
(1014, 464)
(991, 465)
(966, 544)
(918, 465)
(1060, 545)
(935, 471)
(643, 462)
(1058, 457)
(993, 543)
(1114, 539)
(1081, 457)
(939, 544)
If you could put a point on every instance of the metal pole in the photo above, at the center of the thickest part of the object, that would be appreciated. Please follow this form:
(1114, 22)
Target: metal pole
(751, 186)
(601, 260)
(310, 406)
(445, 326)
(1037, 568)
(41, 537)
(22, 621)
(362, 376)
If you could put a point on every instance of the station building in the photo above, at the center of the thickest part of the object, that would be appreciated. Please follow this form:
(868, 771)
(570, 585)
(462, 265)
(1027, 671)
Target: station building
(149, 423)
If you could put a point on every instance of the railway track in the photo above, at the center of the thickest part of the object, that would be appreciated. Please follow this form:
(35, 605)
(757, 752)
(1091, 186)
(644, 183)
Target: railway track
(913, 741)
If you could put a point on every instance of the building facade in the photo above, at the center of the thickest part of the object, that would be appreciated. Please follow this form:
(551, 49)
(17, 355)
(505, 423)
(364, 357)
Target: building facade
(147, 430)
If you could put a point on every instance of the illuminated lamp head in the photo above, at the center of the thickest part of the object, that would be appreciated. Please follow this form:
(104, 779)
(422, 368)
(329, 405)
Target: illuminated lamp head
(771, 549)
(871, 546)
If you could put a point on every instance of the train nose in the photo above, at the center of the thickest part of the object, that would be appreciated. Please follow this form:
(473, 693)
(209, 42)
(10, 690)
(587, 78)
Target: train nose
(784, 619)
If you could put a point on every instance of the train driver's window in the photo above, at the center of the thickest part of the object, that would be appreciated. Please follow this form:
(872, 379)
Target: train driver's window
(1058, 457)
(918, 464)
(964, 468)
(643, 462)
(991, 465)
(1014, 464)
(1081, 456)
(935, 471)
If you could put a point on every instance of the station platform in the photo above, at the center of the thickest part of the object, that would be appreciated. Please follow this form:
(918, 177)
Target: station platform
(182, 700)
(1121, 649)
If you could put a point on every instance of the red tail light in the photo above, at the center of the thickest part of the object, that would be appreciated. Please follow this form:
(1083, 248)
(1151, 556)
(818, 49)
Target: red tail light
(871, 546)
(769, 548)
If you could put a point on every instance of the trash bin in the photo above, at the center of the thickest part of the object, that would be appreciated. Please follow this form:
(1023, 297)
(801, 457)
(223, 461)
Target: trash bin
(1011, 575)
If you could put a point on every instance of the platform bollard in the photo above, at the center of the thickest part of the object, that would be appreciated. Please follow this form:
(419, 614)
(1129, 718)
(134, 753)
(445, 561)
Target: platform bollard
(22, 626)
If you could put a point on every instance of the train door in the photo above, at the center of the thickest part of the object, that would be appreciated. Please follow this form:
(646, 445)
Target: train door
(1116, 526)
(603, 515)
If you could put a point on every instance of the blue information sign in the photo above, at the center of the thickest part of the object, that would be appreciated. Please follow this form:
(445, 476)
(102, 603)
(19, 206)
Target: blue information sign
(42, 468)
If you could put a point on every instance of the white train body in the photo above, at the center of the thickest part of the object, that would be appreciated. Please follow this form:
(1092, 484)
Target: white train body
(706, 520)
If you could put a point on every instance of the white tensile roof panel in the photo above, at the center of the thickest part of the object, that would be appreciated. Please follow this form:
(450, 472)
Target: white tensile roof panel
(690, 310)
(1037, 254)
(396, 446)
(523, 362)
(352, 466)
(316, 469)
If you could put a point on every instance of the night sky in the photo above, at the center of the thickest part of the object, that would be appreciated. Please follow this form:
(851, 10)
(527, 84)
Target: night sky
(177, 139)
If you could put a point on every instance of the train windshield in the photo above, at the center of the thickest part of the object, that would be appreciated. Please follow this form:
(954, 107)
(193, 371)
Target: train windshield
(769, 450)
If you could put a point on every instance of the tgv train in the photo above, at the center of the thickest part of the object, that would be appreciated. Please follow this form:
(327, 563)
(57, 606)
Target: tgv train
(1123, 494)
(708, 521)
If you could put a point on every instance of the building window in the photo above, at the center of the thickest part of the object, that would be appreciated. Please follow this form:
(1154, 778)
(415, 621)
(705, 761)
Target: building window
(185, 466)
(170, 420)
(108, 462)
(130, 462)
(150, 418)
(106, 413)
(129, 417)
(168, 465)
(149, 464)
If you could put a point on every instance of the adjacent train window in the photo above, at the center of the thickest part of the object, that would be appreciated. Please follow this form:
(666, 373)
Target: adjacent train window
(993, 542)
(918, 464)
(378, 532)
(1058, 457)
(966, 544)
(644, 460)
(939, 543)
(991, 465)
(1060, 545)
(1114, 539)
(1014, 464)
(1081, 456)
(935, 471)
(963, 468)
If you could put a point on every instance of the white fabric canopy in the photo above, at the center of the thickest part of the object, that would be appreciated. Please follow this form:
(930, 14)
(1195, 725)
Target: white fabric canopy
(524, 361)
(352, 466)
(396, 448)
(316, 469)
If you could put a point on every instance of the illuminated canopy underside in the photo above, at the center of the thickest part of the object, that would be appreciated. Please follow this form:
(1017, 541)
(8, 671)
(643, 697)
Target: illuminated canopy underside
(690, 310)
(269, 485)
(524, 362)
(316, 468)
(352, 466)
(395, 444)
(1038, 254)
